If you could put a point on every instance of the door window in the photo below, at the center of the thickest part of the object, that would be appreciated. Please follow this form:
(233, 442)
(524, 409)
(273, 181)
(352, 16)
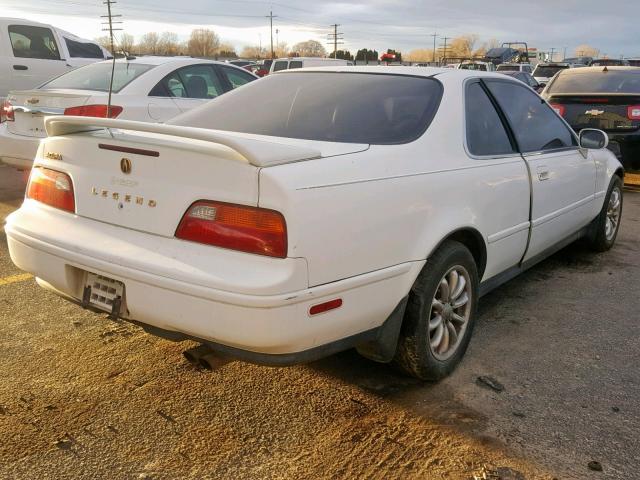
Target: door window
(33, 42)
(536, 126)
(195, 81)
(236, 77)
(486, 135)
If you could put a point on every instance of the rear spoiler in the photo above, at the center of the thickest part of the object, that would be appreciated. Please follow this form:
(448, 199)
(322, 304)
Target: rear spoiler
(258, 152)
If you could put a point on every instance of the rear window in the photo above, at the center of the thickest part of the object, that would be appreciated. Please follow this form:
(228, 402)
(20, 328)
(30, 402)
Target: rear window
(548, 71)
(597, 82)
(508, 68)
(473, 66)
(83, 49)
(334, 107)
(97, 76)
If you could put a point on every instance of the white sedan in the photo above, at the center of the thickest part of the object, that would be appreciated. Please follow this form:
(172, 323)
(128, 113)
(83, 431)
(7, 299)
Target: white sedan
(366, 207)
(149, 89)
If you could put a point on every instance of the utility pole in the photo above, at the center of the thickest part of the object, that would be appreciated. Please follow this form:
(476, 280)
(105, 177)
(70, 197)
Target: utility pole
(445, 39)
(434, 35)
(552, 53)
(277, 40)
(271, 16)
(335, 39)
(565, 53)
(110, 22)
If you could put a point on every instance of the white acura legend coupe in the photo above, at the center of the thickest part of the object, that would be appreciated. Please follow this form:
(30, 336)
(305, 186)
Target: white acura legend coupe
(358, 207)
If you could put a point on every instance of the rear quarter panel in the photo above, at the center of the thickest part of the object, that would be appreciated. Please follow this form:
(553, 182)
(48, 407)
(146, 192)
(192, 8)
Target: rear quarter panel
(357, 213)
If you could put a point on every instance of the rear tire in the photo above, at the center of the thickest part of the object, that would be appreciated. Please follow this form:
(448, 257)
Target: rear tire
(440, 315)
(604, 228)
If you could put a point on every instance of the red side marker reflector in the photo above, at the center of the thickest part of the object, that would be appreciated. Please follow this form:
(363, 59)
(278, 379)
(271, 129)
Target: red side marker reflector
(325, 307)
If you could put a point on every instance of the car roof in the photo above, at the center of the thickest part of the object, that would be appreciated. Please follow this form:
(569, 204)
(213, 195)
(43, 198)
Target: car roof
(155, 60)
(441, 73)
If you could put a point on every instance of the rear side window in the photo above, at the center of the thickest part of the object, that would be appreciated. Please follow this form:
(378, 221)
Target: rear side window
(281, 65)
(486, 135)
(536, 126)
(613, 81)
(194, 81)
(237, 77)
(83, 49)
(295, 64)
(97, 76)
(33, 42)
(326, 106)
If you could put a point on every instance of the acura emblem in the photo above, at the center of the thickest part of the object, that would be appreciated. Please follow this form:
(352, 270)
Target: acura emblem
(594, 112)
(125, 165)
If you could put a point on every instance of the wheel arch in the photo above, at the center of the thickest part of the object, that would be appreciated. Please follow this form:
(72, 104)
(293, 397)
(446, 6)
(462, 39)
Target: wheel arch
(473, 240)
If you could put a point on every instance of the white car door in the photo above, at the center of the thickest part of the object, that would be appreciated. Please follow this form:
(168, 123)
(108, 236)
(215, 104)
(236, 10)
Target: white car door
(35, 55)
(562, 176)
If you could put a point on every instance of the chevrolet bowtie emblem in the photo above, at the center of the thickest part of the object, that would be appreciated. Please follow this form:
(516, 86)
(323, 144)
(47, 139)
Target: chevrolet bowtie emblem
(594, 112)
(33, 101)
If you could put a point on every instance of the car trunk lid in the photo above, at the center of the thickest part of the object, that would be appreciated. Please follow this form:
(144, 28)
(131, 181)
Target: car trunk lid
(31, 106)
(602, 111)
(145, 176)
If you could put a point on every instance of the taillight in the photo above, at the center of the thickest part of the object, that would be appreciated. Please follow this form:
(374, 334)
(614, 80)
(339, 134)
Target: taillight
(93, 111)
(52, 188)
(559, 109)
(633, 112)
(6, 113)
(237, 227)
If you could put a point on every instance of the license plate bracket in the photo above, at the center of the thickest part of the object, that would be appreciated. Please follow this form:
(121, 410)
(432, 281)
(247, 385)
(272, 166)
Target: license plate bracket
(103, 293)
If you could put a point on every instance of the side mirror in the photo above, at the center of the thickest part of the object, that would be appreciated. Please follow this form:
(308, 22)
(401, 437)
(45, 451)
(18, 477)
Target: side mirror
(593, 139)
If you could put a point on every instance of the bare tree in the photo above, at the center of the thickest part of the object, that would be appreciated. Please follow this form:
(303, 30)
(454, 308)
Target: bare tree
(587, 51)
(226, 50)
(125, 43)
(253, 52)
(149, 43)
(420, 55)
(203, 43)
(168, 44)
(310, 48)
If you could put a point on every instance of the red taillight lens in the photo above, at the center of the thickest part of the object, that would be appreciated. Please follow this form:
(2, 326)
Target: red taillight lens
(560, 109)
(52, 188)
(633, 112)
(237, 227)
(93, 111)
(6, 113)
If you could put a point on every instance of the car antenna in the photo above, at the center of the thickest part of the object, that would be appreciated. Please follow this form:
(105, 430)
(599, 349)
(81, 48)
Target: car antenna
(110, 29)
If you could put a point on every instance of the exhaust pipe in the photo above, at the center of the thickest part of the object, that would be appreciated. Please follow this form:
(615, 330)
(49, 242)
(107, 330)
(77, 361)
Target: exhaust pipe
(194, 354)
(212, 361)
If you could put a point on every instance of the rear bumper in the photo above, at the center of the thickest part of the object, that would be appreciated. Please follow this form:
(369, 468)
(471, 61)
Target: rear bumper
(17, 150)
(196, 302)
(626, 147)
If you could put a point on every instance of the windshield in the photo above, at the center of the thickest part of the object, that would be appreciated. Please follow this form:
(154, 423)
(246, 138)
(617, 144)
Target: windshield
(97, 76)
(328, 106)
(548, 71)
(598, 82)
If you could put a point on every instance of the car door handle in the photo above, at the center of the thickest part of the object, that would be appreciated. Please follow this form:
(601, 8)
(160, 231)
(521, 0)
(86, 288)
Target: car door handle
(543, 173)
(20, 67)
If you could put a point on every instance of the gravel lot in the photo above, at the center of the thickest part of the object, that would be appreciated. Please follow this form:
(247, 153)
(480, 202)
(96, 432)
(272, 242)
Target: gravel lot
(84, 397)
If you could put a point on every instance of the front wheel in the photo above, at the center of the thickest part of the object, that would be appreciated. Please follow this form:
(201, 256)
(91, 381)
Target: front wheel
(440, 314)
(604, 229)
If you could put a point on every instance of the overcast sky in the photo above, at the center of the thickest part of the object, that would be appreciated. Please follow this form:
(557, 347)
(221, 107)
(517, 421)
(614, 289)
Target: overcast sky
(610, 25)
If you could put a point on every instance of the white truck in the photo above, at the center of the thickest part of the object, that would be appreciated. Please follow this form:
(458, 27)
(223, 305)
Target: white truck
(32, 53)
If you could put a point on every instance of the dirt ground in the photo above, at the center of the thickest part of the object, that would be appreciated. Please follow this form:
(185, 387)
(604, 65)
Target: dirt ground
(83, 397)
